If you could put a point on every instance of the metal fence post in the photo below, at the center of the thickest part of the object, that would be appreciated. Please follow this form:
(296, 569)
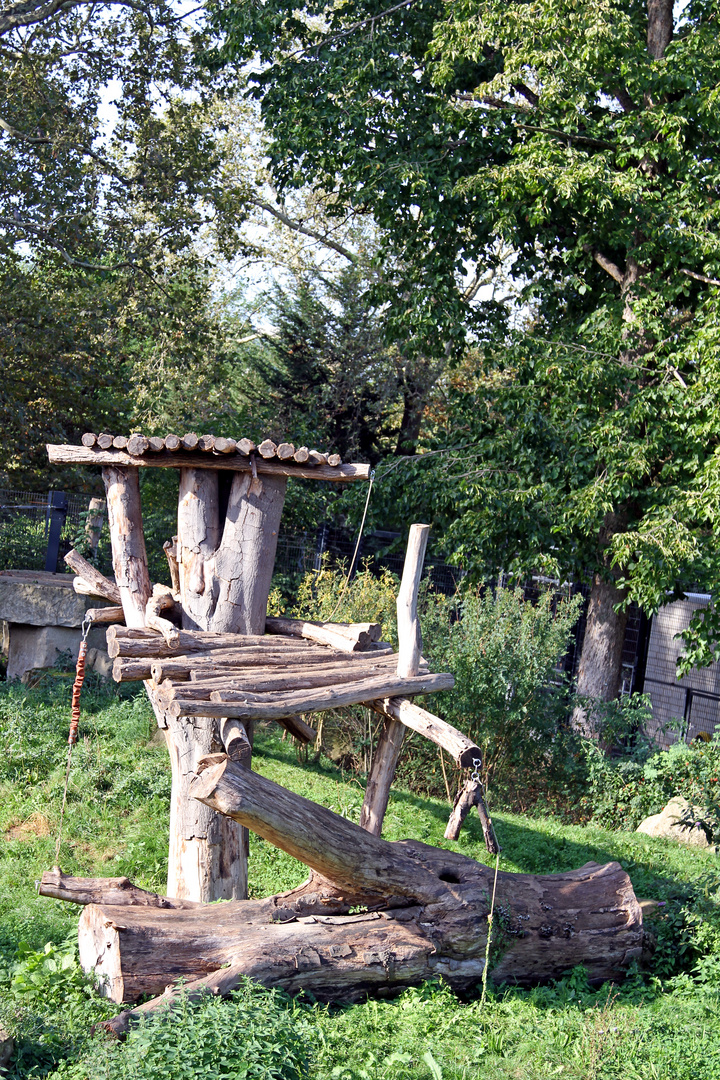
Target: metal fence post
(56, 514)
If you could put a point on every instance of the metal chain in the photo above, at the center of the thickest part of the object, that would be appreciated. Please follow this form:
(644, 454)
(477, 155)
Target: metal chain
(74, 722)
(475, 775)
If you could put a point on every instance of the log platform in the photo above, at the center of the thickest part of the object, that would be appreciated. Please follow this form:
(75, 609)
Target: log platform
(262, 677)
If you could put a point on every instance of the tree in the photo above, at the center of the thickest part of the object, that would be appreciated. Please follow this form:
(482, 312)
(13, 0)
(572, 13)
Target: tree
(582, 137)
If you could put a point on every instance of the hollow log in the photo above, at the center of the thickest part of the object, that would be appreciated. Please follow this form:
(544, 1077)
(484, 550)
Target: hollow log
(426, 914)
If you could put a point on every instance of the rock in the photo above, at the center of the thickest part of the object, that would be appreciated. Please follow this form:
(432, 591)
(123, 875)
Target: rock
(7, 1047)
(668, 824)
(40, 599)
(35, 647)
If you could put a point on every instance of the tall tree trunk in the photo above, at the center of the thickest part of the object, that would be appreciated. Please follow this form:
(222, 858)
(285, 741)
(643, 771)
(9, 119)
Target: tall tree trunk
(600, 669)
(225, 573)
(660, 27)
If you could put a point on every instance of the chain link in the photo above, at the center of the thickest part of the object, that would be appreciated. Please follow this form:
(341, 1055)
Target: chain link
(475, 775)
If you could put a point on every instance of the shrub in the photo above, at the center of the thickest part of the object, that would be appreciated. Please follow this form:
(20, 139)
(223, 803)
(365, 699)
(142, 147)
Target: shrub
(255, 1034)
(622, 791)
(508, 695)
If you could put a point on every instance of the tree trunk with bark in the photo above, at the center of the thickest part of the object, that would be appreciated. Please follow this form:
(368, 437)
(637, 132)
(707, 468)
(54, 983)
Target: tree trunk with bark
(424, 913)
(225, 568)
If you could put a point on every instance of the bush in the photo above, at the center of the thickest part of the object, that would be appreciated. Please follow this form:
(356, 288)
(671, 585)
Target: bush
(508, 695)
(622, 791)
(255, 1034)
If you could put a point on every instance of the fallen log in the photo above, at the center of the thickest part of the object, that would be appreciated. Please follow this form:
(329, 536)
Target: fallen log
(345, 638)
(425, 914)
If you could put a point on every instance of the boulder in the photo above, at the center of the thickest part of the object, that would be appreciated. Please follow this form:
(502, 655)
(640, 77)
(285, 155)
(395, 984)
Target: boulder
(668, 824)
(40, 599)
(7, 1048)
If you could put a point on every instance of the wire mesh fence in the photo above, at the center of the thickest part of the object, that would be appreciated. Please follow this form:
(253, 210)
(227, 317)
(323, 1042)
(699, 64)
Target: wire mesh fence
(26, 520)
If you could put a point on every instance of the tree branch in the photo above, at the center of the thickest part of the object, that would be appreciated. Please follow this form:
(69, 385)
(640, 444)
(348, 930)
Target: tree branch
(39, 231)
(298, 227)
(699, 277)
(31, 11)
(10, 130)
(607, 264)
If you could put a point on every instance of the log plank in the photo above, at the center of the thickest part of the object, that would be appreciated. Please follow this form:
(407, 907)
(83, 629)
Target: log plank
(462, 750)
(239, 462)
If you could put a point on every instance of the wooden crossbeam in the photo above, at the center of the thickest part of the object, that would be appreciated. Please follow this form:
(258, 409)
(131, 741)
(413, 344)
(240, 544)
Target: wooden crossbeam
(234, 462)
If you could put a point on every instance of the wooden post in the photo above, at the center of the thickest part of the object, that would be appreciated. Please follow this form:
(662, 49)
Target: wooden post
(391, 738)
(122, 486)
(225, 574)
(94, 522)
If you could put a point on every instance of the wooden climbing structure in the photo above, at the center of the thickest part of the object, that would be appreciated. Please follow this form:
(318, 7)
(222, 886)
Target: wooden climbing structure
(212, 662)
(373, 916)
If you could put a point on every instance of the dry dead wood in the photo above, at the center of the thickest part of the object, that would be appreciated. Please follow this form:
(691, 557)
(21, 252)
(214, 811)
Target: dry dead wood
(425, 913)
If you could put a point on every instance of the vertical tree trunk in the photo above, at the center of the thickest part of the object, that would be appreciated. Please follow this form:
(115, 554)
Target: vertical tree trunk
(225, 574)
(391, 738)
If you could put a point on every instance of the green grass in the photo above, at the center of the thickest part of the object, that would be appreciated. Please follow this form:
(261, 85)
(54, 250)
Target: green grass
(659, 1024)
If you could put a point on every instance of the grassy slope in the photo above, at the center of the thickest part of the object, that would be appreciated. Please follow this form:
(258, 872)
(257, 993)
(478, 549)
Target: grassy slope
(116, 822)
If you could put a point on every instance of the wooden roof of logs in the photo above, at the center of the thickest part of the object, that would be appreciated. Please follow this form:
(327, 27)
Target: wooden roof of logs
(207, 452)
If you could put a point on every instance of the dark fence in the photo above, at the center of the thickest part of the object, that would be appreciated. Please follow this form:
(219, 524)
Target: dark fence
(38, 529)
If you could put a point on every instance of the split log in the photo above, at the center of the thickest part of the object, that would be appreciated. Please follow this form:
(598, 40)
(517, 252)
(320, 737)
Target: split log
(387, 753)
(250, 706)
(461, 749)
(316, 468)
(100, 585)
(426, 916)
(105, 615)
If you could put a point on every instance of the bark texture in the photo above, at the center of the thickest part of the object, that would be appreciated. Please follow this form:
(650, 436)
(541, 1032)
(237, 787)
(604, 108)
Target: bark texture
(426, 915)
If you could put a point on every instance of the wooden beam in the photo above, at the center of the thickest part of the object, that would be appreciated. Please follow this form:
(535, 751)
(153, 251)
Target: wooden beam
(461, 749)
(81, 455)
(122, 487)
(387, 753)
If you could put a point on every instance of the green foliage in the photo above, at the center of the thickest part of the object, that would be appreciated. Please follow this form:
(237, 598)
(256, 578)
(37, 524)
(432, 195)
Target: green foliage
(661, 1025)
(253, 1035)
(508, 696)
(621, 793)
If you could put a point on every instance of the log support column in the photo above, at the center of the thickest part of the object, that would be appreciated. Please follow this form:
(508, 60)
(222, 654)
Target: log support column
(391, 738)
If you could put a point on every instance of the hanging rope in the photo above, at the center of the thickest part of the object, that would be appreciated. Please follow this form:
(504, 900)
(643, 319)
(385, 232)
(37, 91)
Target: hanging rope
(357, 548)
(74, 721)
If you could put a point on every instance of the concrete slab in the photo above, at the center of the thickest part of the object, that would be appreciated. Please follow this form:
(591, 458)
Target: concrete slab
(41, 599)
